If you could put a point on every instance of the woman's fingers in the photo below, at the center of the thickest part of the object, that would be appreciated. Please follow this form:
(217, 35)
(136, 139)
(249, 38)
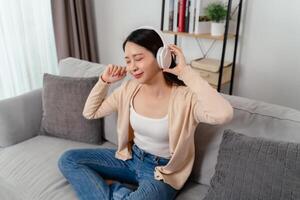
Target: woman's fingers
(119, 71)
(116, 70)
(110, 68)
(113, 73)
(178, 52)
(175, 48)
(113, 69)
(172, 49)
(123, 71)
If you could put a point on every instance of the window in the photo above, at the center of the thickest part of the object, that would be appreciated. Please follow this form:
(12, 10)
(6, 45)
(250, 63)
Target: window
(27, 45)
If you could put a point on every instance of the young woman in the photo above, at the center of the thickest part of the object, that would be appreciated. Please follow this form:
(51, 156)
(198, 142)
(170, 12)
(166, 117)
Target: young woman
(158, 111)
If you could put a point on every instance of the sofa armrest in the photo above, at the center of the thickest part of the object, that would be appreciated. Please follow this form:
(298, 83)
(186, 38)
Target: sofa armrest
(20, 117)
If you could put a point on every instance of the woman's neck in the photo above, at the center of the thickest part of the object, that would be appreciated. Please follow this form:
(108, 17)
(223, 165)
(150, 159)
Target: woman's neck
(157, 86)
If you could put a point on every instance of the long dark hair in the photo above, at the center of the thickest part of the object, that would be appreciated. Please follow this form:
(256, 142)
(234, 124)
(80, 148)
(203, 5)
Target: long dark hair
(150, 40)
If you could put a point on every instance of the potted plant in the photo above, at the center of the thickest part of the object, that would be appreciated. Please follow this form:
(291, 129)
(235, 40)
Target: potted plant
(216, 12)
(203, 25)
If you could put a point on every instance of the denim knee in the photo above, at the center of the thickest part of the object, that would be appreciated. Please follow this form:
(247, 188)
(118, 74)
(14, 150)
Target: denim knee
(66, 160)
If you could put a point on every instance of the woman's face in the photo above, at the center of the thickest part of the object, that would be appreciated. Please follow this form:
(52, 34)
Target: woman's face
(141, 63)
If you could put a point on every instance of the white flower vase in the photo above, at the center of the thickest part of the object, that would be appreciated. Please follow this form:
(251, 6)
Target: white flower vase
(203, 27)
(217, 29)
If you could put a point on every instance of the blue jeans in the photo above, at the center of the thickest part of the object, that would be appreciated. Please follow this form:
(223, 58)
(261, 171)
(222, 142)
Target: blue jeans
(87, 169)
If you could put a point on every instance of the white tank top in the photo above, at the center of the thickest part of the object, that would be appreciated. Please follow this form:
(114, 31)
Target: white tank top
(150, 134)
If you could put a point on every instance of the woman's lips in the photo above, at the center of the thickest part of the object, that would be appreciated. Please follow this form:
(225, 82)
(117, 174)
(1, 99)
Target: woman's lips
(138, 75)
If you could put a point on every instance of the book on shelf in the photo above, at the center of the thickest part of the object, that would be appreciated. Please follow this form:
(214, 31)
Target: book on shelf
(175, 16)
(199, 12)
(181, 17)
(184, 16)
(168, 16)
(192, 16)
(187, 16)
(209, 64)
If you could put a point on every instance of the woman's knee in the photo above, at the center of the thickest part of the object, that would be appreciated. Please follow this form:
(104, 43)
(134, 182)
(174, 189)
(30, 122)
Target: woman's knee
(67, 159)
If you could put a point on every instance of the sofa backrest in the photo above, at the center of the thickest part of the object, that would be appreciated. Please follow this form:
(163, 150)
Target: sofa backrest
(251, 117)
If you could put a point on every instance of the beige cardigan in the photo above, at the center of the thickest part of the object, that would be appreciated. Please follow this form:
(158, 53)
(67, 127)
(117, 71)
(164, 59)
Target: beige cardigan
(198, 102)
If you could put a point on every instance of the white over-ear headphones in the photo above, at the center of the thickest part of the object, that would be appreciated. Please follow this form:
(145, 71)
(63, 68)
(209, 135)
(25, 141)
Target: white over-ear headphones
(163, 55)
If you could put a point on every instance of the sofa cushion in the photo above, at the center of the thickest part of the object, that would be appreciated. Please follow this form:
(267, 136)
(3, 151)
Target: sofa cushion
(255, 168)
(63, 102)
(31, 167)
(75, 67)
(8, 191)
(252, 118)
(81, 68)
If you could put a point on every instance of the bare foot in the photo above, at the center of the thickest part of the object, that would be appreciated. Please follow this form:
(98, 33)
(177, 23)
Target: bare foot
(109, 181)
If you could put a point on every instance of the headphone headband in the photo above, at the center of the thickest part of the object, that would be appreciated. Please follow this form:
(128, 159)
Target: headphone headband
(163, 55)
(157, 31)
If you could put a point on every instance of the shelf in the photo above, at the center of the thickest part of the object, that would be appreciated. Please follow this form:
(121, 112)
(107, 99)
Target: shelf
(209, 64)
(202, 35)
(212, 77)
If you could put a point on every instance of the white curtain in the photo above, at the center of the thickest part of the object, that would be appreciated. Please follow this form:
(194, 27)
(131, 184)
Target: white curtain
(27, 45)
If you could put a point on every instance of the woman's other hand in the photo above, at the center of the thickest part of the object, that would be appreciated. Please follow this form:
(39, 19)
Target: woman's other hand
(113, 73)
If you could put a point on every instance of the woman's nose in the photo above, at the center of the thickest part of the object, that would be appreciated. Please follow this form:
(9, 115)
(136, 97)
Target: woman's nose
(131, 67)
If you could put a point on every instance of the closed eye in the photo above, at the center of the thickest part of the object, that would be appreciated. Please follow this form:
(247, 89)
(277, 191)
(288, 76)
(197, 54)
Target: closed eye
(137, 59)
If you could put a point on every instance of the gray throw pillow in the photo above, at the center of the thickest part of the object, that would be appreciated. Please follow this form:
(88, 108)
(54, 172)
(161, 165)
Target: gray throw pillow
(63, 102)
(255, 168)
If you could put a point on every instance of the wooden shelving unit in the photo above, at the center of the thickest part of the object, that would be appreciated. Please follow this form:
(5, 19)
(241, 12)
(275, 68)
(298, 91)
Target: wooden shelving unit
(203, 35)
(223, 38)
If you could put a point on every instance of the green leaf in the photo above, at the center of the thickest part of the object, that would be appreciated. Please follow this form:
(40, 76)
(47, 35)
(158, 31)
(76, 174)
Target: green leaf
(216, 11)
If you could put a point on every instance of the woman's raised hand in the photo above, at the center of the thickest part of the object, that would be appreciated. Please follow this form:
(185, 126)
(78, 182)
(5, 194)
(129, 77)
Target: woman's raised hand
(113, 73)
(181, 64)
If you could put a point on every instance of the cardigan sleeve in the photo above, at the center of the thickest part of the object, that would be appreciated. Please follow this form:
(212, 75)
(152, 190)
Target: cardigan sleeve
(208, 105)
(98, 104)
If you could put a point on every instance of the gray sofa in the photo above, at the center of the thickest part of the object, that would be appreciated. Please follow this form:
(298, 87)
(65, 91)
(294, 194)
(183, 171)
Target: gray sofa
(28, 161)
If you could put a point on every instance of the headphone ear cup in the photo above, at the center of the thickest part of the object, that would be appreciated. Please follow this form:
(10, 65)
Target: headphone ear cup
(159, 57)
(164, 57)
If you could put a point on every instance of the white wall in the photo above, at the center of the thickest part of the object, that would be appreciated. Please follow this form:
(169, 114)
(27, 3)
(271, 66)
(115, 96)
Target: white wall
(116, 18)
(267, 65)
(269, 62)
